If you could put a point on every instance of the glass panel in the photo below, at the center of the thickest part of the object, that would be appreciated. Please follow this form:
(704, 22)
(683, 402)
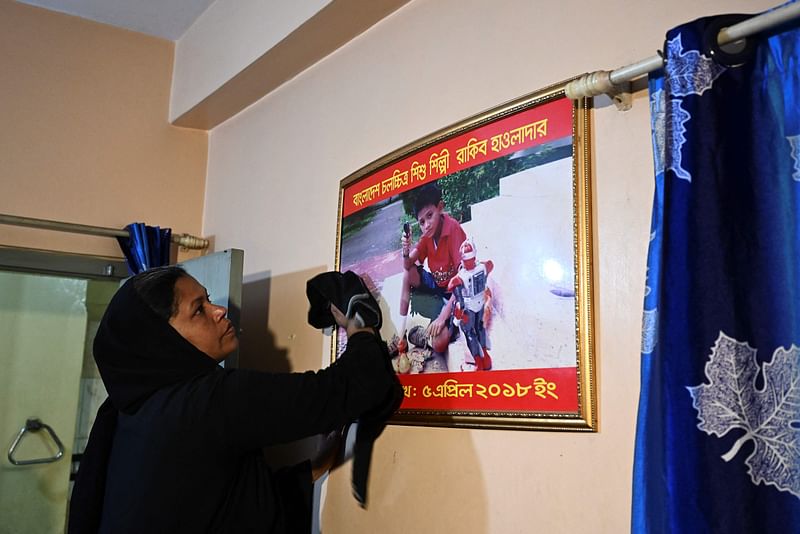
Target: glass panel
(43, 323)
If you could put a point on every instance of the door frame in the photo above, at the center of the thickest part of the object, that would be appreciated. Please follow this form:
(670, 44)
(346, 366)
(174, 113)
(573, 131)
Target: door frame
(64, 265)
(38, 261)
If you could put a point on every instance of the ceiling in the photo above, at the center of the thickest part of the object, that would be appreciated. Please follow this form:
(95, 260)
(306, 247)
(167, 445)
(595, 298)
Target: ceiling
(168, 19)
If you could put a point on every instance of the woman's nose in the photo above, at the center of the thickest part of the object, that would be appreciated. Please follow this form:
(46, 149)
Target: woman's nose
(220, 311)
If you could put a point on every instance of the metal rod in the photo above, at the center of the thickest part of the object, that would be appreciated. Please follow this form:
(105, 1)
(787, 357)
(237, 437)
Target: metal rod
(596, 83)
(758, 24)
(633, 71)
(184, 240)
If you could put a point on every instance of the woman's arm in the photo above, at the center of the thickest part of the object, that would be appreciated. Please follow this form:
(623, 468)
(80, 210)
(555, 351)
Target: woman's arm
(263, 409)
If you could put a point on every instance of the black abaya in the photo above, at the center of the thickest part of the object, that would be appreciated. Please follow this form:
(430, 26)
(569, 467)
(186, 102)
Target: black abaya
(178, 446)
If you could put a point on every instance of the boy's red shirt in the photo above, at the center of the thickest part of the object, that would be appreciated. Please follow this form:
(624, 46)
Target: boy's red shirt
(444, 259)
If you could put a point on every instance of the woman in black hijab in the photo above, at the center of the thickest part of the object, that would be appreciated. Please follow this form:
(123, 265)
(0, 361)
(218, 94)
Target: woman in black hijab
(177, 446)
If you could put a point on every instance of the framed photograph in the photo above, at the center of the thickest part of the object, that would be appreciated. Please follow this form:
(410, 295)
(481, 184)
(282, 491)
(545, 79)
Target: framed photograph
(477, 242)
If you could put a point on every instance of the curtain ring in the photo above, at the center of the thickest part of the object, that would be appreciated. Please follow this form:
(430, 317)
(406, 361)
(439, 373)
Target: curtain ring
(732, 54)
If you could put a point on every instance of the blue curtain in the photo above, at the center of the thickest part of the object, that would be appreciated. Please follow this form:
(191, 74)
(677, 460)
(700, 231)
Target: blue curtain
(718, 430)
(147, 247)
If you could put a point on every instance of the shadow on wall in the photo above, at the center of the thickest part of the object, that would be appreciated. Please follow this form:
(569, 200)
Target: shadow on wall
(277, 338)
(257, 347)
(425, 479)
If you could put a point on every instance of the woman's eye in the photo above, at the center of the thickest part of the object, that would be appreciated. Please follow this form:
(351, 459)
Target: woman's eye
(199, 311)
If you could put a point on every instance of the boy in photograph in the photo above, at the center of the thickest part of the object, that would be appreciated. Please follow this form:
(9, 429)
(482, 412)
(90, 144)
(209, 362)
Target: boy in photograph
(439, 244)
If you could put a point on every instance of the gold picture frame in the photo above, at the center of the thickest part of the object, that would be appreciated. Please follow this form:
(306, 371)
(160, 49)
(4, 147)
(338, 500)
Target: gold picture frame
(515, 181)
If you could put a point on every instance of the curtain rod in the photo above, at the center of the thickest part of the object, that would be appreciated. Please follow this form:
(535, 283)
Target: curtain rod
(610, 82)
(184, 240)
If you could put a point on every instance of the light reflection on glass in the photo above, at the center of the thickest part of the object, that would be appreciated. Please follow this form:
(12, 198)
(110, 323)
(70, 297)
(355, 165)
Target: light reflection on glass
(552, 270)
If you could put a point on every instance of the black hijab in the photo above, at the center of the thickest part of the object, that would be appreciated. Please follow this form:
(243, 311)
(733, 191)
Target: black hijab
(137, 353)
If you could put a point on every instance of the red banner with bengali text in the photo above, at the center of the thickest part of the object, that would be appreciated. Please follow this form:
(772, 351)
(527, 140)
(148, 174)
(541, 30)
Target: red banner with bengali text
(538, 125)
(523, 390)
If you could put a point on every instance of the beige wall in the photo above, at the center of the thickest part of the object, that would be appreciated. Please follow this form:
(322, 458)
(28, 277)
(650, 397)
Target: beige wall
(85, 110)
(225, 39)
(85, 136)
(272, 190)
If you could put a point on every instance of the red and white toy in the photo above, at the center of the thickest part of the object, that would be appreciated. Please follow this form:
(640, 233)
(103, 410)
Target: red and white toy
(472, 294)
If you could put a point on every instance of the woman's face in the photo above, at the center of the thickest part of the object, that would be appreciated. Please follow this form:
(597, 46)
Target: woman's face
(201, 323)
